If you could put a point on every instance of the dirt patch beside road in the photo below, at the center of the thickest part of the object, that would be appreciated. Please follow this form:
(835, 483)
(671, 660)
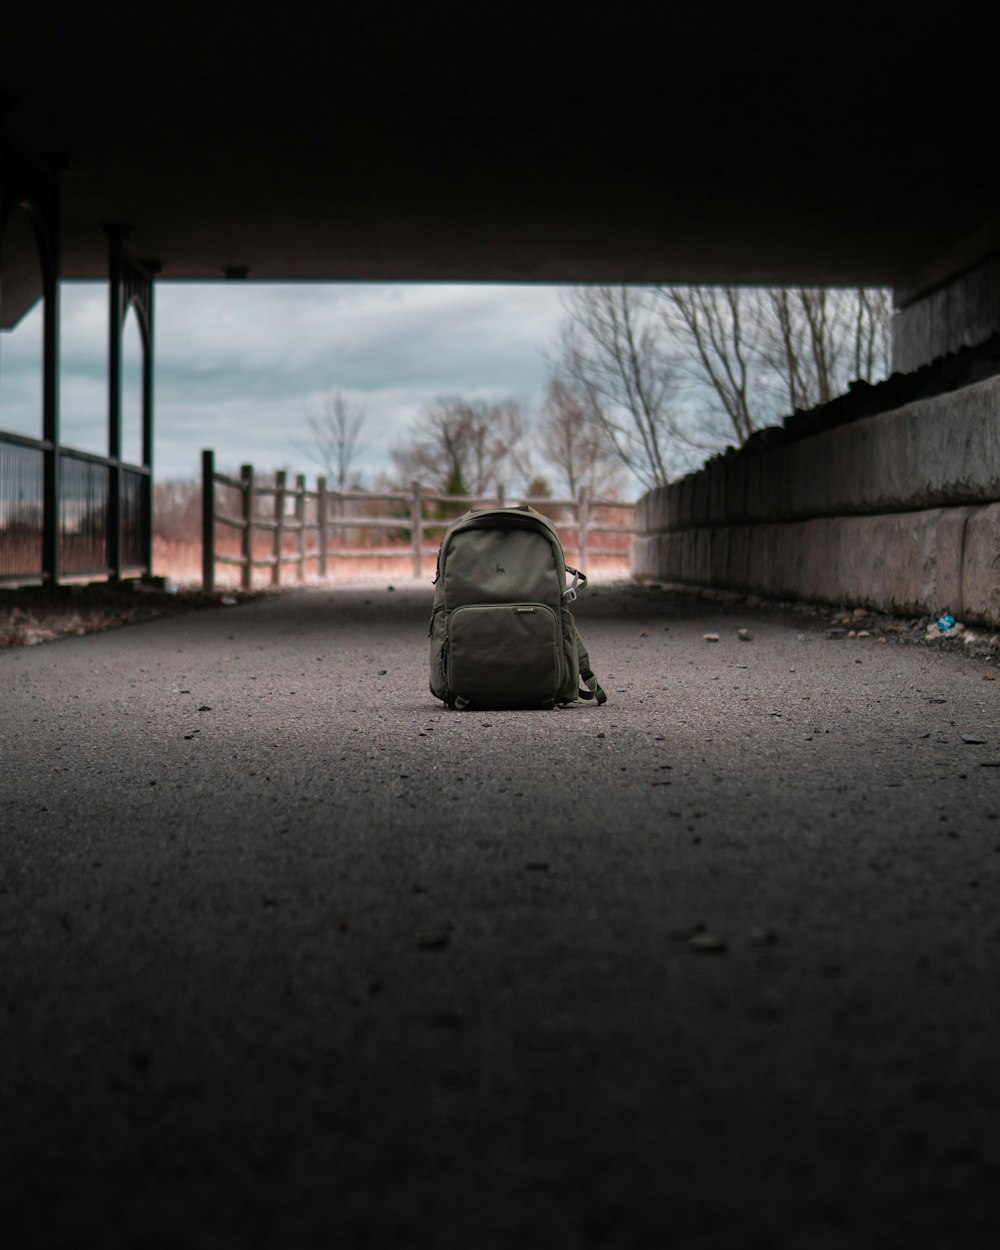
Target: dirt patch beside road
(33, 614)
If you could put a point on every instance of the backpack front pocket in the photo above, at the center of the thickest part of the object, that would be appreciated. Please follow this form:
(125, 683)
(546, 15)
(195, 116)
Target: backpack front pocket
(505, 653)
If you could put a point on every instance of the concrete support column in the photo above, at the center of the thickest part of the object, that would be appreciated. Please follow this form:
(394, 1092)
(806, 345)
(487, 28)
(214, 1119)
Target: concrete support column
(50, 398)
(148, 358)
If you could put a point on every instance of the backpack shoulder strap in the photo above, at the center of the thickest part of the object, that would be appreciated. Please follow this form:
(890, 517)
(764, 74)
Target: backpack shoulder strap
(579, 579)
(594, 689)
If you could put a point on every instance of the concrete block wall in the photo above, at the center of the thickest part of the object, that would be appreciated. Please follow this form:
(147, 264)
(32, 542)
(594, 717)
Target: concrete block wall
(952, 314)
(899, 511)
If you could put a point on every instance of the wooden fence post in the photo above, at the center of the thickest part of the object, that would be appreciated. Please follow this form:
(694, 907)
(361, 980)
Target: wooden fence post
(246, 477)
(417, 529)
(583, 525)
(208, 521)
(330, 504)
(321, 520)
(300, 517)
(279, 526)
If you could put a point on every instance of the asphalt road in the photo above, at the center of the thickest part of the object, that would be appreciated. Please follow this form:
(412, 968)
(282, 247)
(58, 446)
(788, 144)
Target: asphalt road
(294, 957)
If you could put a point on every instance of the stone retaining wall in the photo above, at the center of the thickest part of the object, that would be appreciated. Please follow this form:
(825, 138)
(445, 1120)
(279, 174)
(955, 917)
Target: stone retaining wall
(899, 511)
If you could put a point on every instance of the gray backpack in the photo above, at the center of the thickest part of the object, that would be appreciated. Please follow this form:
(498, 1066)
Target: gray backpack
(502, 633)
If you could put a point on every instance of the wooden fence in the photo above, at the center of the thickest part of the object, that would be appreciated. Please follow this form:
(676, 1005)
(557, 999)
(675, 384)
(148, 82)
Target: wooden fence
(303, 524)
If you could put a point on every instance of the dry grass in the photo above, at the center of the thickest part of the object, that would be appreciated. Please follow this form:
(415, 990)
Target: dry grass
(181, 562)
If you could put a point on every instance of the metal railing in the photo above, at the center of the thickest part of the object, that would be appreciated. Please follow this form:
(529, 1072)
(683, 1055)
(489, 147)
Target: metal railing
(299, 525)
(22, 489)
(83, 513)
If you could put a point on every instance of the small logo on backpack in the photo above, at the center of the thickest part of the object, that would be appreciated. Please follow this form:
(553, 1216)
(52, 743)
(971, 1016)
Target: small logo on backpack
(501, 571)
(524, 609)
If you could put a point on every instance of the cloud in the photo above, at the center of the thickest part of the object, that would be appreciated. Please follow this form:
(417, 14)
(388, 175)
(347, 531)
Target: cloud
(245, 366)
(241, 366)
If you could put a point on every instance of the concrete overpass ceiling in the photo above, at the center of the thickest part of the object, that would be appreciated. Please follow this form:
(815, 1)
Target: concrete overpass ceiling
(497, 142)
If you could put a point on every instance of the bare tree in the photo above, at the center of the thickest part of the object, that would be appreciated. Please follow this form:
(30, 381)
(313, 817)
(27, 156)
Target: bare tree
(716, 332)
(613, 356)
(334, 443)
(577, 448)
(668, 373)
(818, 339)
(873, 334)
(177, 509)
(757, 350)
(462, 446)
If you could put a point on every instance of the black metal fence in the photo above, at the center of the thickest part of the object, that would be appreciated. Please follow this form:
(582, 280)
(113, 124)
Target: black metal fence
(88, 526)
(22, 466)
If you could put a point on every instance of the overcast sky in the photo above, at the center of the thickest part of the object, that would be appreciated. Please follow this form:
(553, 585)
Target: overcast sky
(241, 366)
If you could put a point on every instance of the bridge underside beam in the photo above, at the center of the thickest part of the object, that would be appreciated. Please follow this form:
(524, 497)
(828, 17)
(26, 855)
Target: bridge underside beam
(520, 144)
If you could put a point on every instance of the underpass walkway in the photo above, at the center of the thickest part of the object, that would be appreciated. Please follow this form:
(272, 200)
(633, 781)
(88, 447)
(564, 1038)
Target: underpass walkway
(293, 956)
